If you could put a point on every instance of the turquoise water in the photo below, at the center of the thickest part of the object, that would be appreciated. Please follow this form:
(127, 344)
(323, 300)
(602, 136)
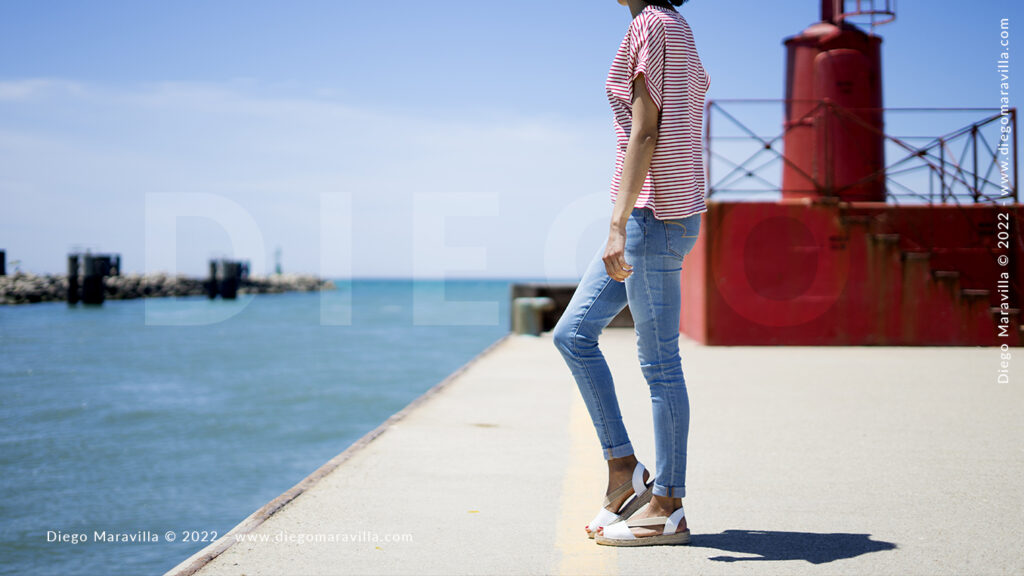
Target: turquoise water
(147, 416)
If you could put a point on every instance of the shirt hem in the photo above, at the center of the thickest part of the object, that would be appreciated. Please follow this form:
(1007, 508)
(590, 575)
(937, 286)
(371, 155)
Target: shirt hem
(654, 212)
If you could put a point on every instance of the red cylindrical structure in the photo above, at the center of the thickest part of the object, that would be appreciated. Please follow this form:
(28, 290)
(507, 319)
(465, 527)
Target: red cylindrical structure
(835, 138)
(828, 10)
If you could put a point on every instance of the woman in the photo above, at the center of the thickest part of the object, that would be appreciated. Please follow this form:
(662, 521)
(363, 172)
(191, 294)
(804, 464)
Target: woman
(656, 87)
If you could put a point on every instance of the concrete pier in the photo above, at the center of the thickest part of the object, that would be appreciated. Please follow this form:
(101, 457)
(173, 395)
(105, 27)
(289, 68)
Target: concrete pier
(561, 294)
(226, 277)
(86, 278)
(802, 460)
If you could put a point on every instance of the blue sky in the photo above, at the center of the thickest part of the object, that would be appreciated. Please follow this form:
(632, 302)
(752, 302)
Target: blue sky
(367, 138)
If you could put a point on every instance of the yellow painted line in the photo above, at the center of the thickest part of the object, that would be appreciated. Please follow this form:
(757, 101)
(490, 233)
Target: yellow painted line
(586, 478)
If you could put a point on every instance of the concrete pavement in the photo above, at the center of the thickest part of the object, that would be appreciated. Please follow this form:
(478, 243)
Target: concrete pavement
(802, 460)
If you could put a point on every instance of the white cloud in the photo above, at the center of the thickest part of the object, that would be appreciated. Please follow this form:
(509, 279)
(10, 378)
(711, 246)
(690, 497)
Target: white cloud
(34, 88)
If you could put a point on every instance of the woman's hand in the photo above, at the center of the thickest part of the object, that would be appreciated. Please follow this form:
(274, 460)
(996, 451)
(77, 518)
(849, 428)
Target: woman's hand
(615, 256)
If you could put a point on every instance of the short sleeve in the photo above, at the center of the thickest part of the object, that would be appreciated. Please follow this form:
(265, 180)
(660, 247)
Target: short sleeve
(647, 55)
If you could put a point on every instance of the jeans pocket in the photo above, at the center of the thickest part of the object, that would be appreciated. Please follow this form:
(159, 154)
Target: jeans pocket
(681, 235)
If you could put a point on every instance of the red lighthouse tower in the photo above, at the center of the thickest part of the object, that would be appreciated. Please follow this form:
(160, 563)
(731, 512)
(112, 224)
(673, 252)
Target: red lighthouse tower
(848, 253)
(834, 125)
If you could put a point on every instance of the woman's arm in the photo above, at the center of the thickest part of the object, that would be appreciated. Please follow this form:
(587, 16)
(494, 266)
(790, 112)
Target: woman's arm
(643, 138)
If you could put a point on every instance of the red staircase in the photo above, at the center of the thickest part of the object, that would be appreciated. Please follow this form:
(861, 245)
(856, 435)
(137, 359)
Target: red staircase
(852, 273)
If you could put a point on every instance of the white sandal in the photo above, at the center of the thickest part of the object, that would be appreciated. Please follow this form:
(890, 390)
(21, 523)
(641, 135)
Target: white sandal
(641, 495)
(619, 533)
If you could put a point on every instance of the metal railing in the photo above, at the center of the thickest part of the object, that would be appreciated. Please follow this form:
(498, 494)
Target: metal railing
(962, 163)
(871, 13)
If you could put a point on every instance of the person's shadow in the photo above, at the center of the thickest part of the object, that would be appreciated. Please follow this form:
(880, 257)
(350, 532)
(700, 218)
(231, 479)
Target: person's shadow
(771, 545)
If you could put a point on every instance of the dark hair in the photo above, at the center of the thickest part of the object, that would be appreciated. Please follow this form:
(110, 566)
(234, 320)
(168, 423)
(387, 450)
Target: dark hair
(666, 3)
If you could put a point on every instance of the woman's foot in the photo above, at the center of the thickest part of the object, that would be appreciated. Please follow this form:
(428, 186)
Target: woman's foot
(620, 480)
(658, 506)
(620, 471)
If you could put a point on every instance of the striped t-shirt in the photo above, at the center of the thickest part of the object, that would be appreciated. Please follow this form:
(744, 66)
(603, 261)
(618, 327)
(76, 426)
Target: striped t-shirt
(660, 45)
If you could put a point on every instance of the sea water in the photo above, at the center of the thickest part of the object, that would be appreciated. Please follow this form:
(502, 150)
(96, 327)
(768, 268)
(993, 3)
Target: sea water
(124, 423)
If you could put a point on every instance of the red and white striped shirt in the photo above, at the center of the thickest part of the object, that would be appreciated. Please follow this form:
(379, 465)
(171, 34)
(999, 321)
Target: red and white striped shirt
(659, 44)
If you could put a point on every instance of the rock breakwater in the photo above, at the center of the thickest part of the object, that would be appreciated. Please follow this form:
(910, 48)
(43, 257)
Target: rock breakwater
(27, 288)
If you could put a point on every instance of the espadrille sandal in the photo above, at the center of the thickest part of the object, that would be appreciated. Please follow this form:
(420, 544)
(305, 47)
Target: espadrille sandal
(619, 533)
(641, 495)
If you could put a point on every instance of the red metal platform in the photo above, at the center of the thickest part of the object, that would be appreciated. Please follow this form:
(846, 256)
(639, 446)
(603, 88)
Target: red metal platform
(806, 272)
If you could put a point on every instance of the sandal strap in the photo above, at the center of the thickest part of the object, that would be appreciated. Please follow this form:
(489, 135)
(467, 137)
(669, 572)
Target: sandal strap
(638, 479)
(670, 523)
(636, 483)
(617, 493)
(652, 521)
(604, 517)
(673, 521)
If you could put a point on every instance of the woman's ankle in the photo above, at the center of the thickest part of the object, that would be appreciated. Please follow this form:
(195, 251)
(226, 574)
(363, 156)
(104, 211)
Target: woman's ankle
(623, 464)
(665, 504)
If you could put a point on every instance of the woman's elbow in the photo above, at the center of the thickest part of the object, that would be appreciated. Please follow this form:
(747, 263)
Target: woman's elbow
(648, 138)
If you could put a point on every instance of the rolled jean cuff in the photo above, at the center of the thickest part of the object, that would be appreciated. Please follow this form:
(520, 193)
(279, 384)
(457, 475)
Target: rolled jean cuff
(669, 492)
(618, 451)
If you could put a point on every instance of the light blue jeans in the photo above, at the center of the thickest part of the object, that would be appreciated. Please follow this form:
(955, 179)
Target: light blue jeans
(655, 249)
